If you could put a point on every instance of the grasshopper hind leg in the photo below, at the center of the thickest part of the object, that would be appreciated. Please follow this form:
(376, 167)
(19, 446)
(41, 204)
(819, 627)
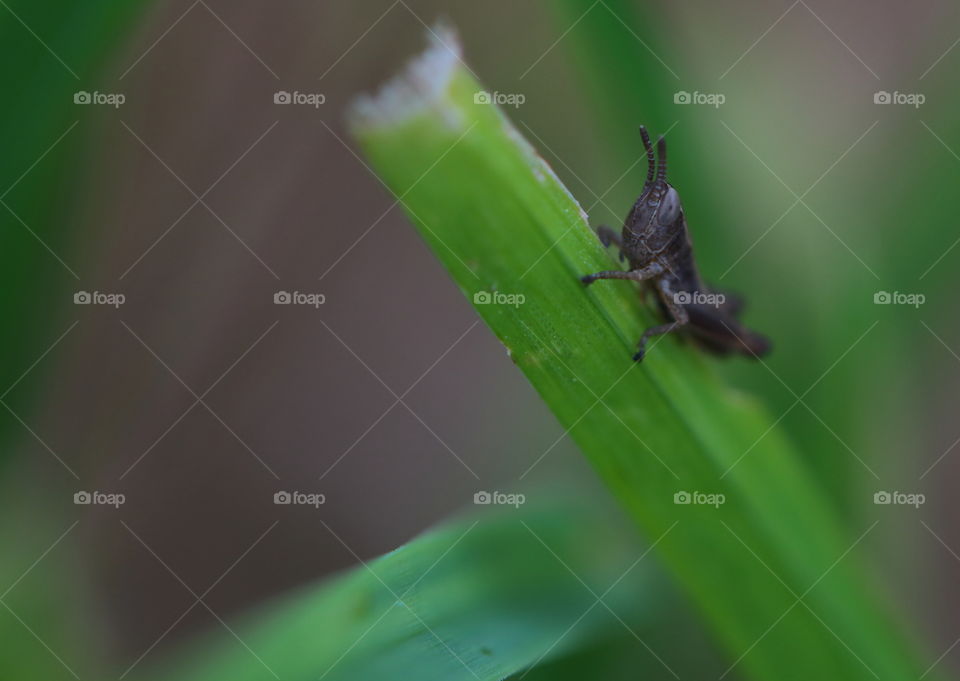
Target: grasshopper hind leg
(675, 311)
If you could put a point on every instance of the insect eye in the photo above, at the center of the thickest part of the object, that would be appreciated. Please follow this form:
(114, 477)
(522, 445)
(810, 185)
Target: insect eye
(669, 208)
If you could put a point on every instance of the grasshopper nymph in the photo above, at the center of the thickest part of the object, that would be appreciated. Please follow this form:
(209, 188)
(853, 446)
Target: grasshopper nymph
(657, 247)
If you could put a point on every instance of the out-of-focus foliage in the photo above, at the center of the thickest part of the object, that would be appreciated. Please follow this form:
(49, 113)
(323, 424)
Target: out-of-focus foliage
(481, 598)
(54, 50)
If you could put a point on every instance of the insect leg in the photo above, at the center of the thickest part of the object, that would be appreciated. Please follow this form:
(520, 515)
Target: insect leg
(652, 331)
(652, 270)
(608, 236)
(677, 312)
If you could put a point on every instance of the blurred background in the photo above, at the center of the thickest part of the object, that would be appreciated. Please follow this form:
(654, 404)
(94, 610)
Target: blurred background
(150, 164)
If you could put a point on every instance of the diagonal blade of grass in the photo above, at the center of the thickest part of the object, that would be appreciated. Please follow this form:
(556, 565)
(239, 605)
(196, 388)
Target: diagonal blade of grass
(771, 569)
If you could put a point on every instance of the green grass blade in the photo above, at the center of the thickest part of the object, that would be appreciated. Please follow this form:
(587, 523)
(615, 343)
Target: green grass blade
(775, 575)
(476, 599)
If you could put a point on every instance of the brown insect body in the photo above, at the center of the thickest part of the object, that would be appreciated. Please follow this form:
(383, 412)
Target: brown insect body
(657, 246)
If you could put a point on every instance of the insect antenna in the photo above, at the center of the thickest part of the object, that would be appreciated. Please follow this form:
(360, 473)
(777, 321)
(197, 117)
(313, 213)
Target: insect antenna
(662, 154)
(651, 162)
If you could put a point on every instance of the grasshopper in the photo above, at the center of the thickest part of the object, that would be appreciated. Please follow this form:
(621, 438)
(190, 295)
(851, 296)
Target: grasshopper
(656, 244)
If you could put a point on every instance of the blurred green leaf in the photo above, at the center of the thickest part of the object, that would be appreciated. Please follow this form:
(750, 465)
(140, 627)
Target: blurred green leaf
(52, 51)
(771, 569)
(620, 58)
(45, 621)
(476, 599)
